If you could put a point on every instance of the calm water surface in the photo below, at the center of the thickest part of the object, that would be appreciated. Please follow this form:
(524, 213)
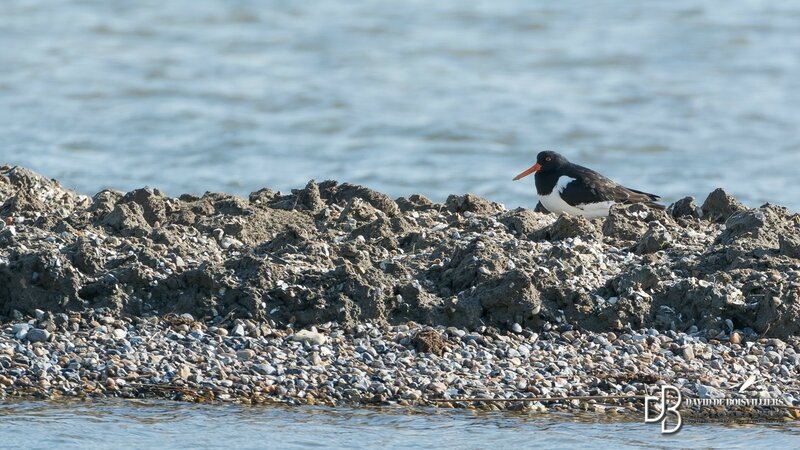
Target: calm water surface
(437, 97)
(177, 425)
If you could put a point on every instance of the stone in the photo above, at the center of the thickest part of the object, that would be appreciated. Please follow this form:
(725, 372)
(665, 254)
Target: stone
(264, 369)
(720, 205)
(311, 337)
(437, 387)
(705, 391)
(245, 354)
(184, 372)
(119, 333)
(20, 330)
(37, 335)
(684, 207)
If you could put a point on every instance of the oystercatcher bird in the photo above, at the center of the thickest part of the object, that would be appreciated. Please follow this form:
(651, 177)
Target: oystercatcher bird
(564, 187)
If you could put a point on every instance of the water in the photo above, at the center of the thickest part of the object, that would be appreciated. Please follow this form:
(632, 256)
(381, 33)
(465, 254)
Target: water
(167, 425)
(415, 96)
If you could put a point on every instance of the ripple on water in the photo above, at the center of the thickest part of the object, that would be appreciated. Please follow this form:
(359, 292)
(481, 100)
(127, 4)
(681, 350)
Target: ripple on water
(130, 424)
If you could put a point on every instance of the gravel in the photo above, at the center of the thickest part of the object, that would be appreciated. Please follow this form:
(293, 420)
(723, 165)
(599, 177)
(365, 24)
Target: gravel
(411, 365)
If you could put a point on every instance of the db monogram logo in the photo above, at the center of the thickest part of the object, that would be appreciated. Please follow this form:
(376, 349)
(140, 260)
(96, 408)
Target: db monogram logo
(664, 409)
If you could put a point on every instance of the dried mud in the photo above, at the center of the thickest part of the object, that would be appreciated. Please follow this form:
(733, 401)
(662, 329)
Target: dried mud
(345, 253)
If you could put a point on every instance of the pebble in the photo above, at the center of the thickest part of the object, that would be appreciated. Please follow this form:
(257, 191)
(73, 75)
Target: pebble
(311, 337)
(264, 369)
(37, 335)
(437, 387)
(246, 354)
(184, 372)
(119, 333)
(709, 392)
(218, 331)
(774, 357)
(20, 330)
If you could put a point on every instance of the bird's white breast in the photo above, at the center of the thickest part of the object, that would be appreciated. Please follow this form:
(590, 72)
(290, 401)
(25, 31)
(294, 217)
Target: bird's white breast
(555, 204)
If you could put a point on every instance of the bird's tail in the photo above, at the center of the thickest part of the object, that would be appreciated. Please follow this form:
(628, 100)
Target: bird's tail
(653, 197)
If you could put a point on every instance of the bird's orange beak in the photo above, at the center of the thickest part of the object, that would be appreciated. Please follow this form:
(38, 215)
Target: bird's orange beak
(536, 167)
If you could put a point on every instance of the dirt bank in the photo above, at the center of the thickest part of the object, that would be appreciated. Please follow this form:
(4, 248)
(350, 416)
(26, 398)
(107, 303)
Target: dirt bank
(345, 253)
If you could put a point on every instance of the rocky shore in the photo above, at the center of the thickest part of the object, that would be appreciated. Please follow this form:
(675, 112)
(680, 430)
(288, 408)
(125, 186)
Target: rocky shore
(337, 294)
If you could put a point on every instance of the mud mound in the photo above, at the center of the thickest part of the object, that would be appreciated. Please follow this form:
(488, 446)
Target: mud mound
(346, 253)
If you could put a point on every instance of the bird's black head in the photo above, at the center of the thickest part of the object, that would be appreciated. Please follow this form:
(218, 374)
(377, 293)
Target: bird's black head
(545, 162)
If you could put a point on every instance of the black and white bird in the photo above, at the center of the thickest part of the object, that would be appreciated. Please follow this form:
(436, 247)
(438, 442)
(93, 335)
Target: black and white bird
(564, 187)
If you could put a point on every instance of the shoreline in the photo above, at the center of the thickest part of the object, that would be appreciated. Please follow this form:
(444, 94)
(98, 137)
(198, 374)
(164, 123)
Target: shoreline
(177, 358)
(338, 295)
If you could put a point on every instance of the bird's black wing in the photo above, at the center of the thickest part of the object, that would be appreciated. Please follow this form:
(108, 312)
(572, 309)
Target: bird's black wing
(591, 187)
